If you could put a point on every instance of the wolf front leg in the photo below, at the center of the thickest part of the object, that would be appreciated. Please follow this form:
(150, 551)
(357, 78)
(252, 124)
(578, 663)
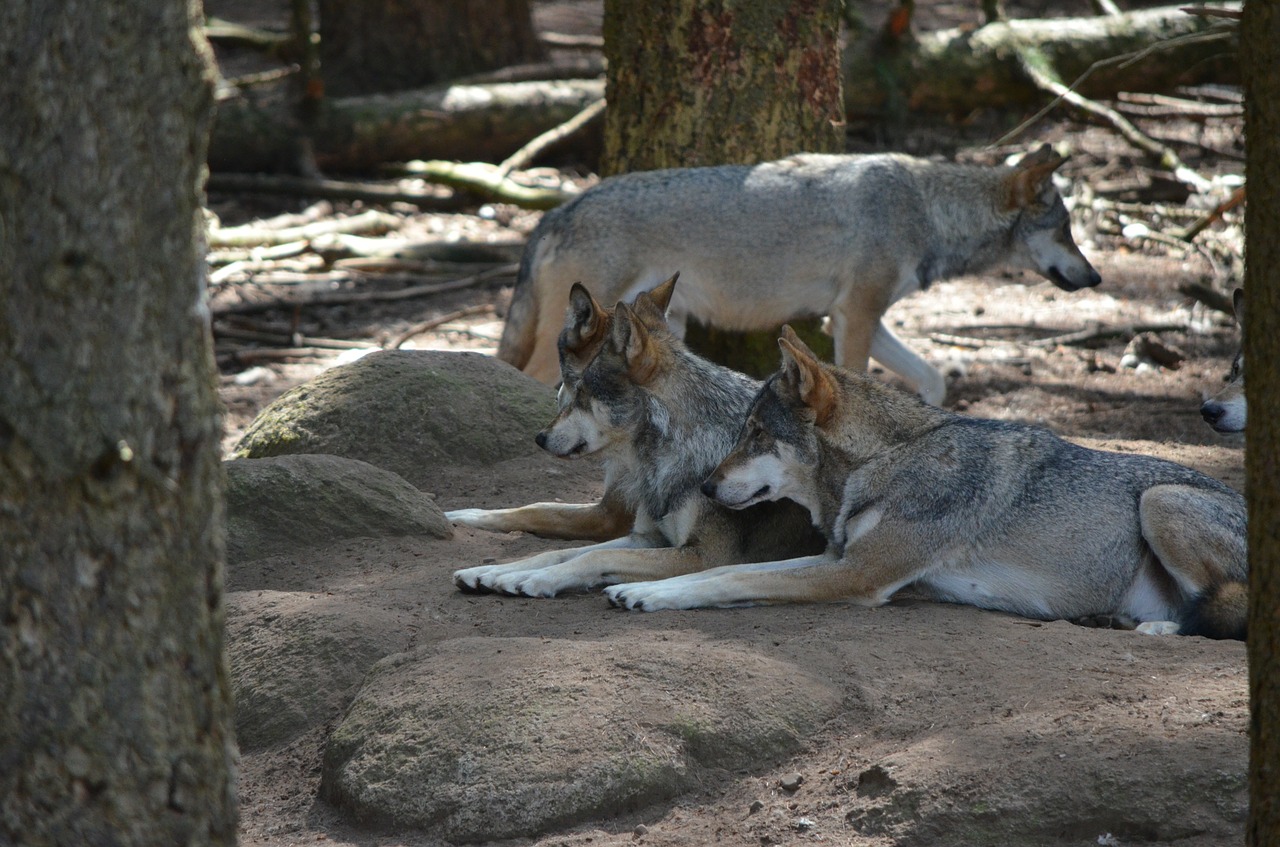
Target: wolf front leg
(803, 579)
(608, 519)
(597, 567)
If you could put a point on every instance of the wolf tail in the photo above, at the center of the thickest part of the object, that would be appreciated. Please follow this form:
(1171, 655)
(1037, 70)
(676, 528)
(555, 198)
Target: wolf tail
(1221, 611)
(520, 330)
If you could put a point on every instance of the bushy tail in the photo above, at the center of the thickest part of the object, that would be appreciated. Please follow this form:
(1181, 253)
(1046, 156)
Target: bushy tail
(520, 331)
(1222, 611)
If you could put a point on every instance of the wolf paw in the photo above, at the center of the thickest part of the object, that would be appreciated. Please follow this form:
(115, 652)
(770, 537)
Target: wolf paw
(476, 518)
(471, 580)
(1157, 628)
(643, 597)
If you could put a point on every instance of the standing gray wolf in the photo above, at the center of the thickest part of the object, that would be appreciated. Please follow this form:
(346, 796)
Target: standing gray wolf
(811, 235)
(1226, 411)
(666, 418)
(988, 513)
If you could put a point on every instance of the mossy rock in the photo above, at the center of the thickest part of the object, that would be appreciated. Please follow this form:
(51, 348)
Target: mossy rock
(279, 504)
(407, 411)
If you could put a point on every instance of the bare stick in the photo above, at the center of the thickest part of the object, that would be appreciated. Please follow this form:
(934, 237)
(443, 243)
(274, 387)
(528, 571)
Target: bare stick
(332, 189)
(250, 235)
(526, 154)
(1215, 215)
(419, 328)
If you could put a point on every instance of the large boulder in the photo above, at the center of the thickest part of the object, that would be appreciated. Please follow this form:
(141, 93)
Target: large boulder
(280, 504)
(544, 734)
(297, 659)
(407, 411)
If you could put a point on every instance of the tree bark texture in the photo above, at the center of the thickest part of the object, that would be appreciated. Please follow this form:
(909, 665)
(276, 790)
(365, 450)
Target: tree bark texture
(958, 70)
(707, 82)
(1260, 55)
(392, 45)
(114, 699)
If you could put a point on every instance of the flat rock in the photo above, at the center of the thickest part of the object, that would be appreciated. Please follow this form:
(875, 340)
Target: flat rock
(542, 734)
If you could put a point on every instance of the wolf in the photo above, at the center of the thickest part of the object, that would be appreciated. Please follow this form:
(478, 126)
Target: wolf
(665, 418)
(988, 513)
(839, 235)
(1226, 411)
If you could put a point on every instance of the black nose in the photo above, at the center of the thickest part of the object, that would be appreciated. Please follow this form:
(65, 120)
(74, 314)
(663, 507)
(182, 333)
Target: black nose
(709, 489)
(541, 440)
(1095, 278)
(1212, 412)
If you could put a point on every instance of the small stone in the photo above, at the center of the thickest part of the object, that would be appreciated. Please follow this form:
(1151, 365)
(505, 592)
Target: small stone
(792, 782)
(639, 831)
(488, 560)
(755, 806)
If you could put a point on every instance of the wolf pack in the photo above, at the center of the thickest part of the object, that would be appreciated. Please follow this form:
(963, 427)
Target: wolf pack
(822, 483)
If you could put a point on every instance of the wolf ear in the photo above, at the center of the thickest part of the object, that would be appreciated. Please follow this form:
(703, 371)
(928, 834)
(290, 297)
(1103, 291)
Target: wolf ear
(812, 384)
(584, 321)
(1029, 177)
(1237, 304)
(651, 306)
(632, 340)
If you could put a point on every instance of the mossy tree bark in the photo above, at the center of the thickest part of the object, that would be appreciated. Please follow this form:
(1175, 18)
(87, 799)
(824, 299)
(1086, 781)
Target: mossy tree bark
(710, 82)
(392, 45)
(1260, 54)
(114, 696)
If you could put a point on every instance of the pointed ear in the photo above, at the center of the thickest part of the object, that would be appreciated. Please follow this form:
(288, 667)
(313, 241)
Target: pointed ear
(1029, 177)
(584, 321)
(807, 376)
(1237, 303)
(651, 306)
(631, 339)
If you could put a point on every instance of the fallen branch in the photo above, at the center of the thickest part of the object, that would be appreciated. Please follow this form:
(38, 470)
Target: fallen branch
(526, 154)
(1099, 332)
(1215, 215)
(340, 298)
(293, 340)
(251, 235)
(426, 325)
(488, 181)
(332, 189)
(1211, 297)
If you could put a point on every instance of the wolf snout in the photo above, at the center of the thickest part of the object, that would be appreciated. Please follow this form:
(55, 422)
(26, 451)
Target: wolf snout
(1089, 278)
(541, 439)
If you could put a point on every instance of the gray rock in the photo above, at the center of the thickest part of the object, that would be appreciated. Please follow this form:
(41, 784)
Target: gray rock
(407, 411)
(547, 734)
(297, 659)
(280, 504)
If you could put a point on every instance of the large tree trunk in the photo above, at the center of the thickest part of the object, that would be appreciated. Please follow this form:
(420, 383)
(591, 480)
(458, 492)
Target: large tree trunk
(1260, 49)
(710, 82)
(114, 698)
(392, 45)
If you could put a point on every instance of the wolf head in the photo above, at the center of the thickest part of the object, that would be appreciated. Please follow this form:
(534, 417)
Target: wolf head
(777, 451)
(595, 368)
(1042, 232)
(1226, 411)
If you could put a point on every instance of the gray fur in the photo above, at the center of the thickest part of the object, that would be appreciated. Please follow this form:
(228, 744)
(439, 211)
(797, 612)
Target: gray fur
(804, 236)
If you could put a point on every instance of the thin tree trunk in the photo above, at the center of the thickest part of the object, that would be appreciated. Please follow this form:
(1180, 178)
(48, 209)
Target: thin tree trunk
(1260, 48)
(114, 697)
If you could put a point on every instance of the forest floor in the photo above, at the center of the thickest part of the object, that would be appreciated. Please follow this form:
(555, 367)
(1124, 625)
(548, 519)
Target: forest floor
(1003, 340)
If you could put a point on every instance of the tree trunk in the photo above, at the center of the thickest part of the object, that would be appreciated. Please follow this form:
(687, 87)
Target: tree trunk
(392, 45)
(114, 697)
(710, 82)
(1260, 49)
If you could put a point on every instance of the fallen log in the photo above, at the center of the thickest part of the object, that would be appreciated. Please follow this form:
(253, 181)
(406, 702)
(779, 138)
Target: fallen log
(949, 71)
(958, 70)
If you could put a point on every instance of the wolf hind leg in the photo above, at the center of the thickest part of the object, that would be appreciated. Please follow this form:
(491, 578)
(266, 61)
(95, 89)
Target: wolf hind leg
(1199, 537)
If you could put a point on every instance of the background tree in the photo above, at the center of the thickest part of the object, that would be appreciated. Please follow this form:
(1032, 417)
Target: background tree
(1260, 60)
(114, 705)
(392, 45)
(711, 82)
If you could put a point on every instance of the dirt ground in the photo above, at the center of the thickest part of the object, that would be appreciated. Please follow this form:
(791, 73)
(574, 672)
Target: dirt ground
(942, 676)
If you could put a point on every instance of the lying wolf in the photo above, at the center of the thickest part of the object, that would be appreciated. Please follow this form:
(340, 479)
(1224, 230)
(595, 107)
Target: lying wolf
(993, 514)
(810, 235)
(663, 418)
